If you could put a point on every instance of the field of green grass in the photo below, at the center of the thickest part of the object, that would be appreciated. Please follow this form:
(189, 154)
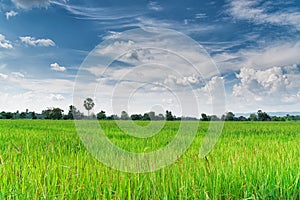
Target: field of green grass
(252, 160)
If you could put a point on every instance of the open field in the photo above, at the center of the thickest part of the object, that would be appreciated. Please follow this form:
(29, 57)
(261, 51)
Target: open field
(252, 160)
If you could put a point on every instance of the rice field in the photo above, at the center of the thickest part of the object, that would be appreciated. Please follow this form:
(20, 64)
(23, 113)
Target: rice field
(252, 160)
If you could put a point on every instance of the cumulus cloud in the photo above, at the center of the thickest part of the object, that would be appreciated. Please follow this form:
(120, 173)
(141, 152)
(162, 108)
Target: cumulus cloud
(270, 85)
(256, 12)
(27, 4)
(10, 14)
(5, 43)
(57, 67)
(57, 97)
(37, 42)
(3, 76)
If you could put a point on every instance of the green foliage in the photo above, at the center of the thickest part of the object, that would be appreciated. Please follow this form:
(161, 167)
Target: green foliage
(124, 115)
(45, 159)
(53, 113)
(88, 104)
(169, 116)
(263, 116)
(101, 115)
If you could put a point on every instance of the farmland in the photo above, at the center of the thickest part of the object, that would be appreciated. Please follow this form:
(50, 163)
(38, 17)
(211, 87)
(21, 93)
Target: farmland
(252, 160)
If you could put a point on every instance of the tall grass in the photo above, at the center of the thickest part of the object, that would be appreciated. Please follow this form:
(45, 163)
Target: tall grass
(46, 160)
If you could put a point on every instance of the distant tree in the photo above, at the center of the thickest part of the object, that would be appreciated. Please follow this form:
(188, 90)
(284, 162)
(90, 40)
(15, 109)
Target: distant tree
(204, 117)
(88, 104)
(152, 115)
(22, 115)
(288, 117)
(53, 113)
(146, 117)
(124, 115)
(214, 118)
(73, 113)
(136, 117)
(112, 117)
(57, 113)
(169, 116)
(46, 113)
(229, 116)
(160, 117)
(242, 118)
(253, 117)
(263, 116)
(27, 113)
(7, 115)
(101, 115)
(17, 115)
(33, 115)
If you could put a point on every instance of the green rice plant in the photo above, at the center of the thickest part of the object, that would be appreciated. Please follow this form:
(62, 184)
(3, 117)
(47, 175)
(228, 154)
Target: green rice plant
(252, 160)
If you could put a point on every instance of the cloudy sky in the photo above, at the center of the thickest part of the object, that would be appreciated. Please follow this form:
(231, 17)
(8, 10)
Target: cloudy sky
(254, 44)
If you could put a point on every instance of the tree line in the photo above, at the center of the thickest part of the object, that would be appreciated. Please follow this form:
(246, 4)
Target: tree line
(74, 113)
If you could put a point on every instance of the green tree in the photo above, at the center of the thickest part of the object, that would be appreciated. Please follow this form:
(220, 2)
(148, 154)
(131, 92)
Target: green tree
(146, 117)
(73, 113)
(214, 118)
(101, 115)
(253, 117)
(152, 115)
(88, 104)
(22, 115)
(263, 116)
(160, 117)
(229, 116)
(242, 118)
(124, 115)
(136, 117)
(204, 117)
(169, 116)
(53, 113)
(57, 113)
(33, 115)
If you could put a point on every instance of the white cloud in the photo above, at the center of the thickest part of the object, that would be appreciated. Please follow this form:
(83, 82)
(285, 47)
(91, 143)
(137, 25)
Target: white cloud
(270, 86)
(5, 43)
(37, 42)
(118, 15)
(3, 76)
(154, 6)
(57, 67)
(57, 97)
(17, 75)
(276, 54)
(32, 100)
(252, 10)
(200, 16)
(10, 14)
(193, 79)
(111, 35)
(35, 94)
(27, 4)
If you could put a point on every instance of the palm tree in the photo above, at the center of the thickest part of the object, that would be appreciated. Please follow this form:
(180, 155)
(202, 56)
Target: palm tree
(88, 104)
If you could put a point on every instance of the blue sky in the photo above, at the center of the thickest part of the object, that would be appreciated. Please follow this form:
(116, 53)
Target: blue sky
(255, 45)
